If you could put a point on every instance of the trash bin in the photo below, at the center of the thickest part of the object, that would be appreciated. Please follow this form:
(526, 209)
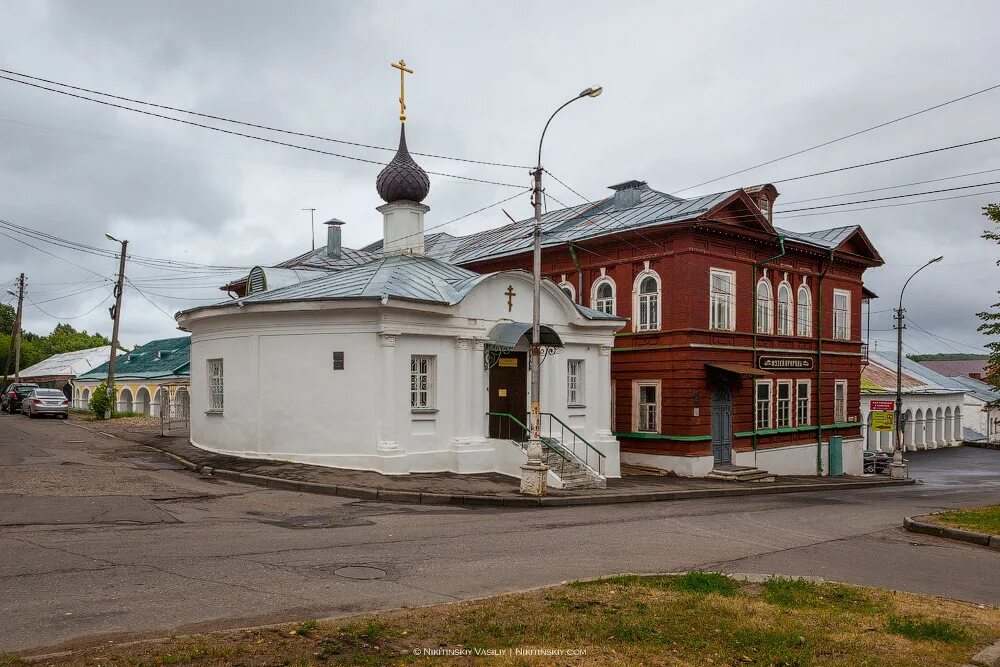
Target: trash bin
(835, 450)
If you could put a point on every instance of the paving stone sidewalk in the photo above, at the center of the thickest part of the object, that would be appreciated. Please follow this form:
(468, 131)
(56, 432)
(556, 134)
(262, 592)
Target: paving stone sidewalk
(438, 488)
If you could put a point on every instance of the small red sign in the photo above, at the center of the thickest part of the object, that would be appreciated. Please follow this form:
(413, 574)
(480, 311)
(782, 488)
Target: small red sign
(883, 406)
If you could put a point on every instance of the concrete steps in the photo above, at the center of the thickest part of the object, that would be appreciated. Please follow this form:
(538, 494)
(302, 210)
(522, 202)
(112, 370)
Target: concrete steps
(574, 475)
(733, 473)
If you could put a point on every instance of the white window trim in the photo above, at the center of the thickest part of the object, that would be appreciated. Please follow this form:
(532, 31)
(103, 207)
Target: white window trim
(791, 403)
(764, 327)
(580, 399)
(732, 299)
(808, 385)
(837, 418)
(614, 294)
(808, 307)
(431, 390)
(847, 328)
(636, 295)
(789, 320)
(565, 285)
(635, 403)
(213, 406)
(770, 408)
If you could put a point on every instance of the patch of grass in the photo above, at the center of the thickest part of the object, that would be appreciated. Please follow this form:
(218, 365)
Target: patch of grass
(800, 594)
(926, 629)
(306, 628)
(977, 519)
(700, 583)
(10, 660)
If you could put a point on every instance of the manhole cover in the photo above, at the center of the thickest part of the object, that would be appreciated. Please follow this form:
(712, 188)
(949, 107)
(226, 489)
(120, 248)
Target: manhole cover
(360, 572)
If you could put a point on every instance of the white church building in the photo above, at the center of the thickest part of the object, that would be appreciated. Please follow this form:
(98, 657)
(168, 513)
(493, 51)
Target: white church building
(402, 363)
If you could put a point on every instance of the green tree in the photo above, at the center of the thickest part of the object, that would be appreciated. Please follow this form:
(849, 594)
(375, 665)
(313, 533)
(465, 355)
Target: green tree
(991, 318)
(101, 402)
(7, 316)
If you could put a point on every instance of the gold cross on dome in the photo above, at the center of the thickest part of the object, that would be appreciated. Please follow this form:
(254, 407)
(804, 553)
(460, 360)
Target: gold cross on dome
(403, 71)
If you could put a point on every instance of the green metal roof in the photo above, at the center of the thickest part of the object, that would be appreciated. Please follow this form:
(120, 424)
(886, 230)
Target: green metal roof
(164, 358)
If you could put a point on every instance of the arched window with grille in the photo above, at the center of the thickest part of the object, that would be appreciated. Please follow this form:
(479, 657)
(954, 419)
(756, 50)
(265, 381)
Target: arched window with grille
(765, 306)
(804, 312)
(604, 296)
(647, 302)
(785, 309)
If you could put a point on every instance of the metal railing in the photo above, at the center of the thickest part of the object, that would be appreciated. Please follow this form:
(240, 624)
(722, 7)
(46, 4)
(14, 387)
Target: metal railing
(573, 442)
(511, 428)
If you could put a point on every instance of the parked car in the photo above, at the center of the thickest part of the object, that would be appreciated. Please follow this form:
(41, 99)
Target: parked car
(14, 394)
(42, 402)
(876, 462)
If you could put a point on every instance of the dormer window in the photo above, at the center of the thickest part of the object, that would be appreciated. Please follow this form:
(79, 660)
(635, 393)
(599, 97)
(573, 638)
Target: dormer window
(765, 205)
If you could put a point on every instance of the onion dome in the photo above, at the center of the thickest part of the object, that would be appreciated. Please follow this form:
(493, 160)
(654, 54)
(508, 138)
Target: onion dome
(402, 179)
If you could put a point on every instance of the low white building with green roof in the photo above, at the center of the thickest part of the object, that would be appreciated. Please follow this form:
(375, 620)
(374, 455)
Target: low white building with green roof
(143, 377)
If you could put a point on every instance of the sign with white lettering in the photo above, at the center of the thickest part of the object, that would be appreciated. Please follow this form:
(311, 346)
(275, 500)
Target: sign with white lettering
(770, 363)
(883, 406)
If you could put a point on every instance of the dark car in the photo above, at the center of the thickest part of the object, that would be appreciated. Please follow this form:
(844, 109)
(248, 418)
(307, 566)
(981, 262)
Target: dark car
(14, 394)
(40, 402)
(876, 463)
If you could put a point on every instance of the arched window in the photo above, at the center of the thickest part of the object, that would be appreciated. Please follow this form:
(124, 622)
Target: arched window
(785, 309)
(647, 302)
(765, 306)
(568, 290)
(804, 314)
(604, 296)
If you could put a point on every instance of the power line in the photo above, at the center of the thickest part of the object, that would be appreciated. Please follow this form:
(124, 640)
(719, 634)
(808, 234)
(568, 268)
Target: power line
(154, 304)
(248, 136)
(74, 317)
(890, 187)
(62, 259)
(255, 125)
(910, 319)
(912, 194)
(557, 180)
(846, 136)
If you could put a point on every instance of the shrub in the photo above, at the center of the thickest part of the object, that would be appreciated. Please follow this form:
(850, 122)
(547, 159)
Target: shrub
(100, 402)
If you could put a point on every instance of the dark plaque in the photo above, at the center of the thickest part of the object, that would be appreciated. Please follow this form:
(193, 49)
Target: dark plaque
(770, 363)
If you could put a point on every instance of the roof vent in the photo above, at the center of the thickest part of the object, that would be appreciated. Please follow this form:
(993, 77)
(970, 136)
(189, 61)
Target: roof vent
(628, 194)
(333, 243)
(256, 281)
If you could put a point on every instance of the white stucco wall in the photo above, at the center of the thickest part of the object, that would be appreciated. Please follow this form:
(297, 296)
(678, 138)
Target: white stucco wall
(924, 430)
(283, 400)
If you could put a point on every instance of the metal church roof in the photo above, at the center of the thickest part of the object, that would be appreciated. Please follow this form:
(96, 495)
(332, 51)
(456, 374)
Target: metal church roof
(68, 364)
(157, 359)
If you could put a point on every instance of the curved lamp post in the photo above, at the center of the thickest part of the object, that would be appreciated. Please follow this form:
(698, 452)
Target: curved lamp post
(897, 470)
(533, 474)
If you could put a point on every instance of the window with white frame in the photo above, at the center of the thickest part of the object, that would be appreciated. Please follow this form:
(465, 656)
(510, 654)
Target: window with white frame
(722, 300)
(765, 306)
(422, 384)
(841, 314)
(215, 385)
(786, 309)
(804, 314)
(604, 297)
(568, 290)
(803, 409)
(646, 396)
(575, 382)
(648, 304)
(762, 404)
(840, 401)
(783, 404)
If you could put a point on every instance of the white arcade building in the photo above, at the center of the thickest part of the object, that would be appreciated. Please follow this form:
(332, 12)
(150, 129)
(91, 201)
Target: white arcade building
(403, 363)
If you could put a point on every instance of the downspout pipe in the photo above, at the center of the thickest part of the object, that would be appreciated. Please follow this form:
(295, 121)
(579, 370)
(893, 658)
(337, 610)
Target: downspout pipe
(579, 274)
(753, 310)
(819, 366)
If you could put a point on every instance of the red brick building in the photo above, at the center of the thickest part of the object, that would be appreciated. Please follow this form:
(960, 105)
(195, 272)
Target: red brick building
(744, 341)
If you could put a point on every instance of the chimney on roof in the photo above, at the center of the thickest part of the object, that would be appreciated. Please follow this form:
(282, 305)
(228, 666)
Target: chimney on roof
(628, 194)
(333, 247)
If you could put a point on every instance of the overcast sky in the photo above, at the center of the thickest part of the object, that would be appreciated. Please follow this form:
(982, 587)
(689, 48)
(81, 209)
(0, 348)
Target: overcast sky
(692, 91)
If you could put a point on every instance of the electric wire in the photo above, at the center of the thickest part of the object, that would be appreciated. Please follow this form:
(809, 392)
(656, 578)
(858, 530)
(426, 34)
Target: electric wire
(74, 317)
(890, 187)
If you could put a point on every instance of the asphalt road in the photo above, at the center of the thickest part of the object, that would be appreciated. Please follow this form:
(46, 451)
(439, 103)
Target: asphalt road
(101, 539)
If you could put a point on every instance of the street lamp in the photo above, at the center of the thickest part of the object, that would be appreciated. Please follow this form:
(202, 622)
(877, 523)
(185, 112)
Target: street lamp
(533, 474)
(897, 470)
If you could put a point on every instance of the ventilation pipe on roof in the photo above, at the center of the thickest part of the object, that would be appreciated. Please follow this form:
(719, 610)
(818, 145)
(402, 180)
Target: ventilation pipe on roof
(333, 246)
(628, 194)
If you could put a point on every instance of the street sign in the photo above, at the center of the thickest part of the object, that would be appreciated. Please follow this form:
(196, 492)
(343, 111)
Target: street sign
(772, 363)
(883, 421)
(884, 406)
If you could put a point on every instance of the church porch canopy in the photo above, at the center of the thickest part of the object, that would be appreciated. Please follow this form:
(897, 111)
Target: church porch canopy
(507, 334)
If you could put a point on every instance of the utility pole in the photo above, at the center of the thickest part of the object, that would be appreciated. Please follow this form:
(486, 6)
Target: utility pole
(117, 314)
(897, 469)
(312, 224)
(17, 328)
(534, 473)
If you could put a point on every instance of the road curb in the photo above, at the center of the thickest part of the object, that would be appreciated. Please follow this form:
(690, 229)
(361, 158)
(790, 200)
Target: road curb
(988, 657)
(914, 525)
(429, 498)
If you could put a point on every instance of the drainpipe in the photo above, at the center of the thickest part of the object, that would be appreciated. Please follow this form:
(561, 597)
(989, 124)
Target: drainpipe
(819, 367)
(753, 360)
(579, 274)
